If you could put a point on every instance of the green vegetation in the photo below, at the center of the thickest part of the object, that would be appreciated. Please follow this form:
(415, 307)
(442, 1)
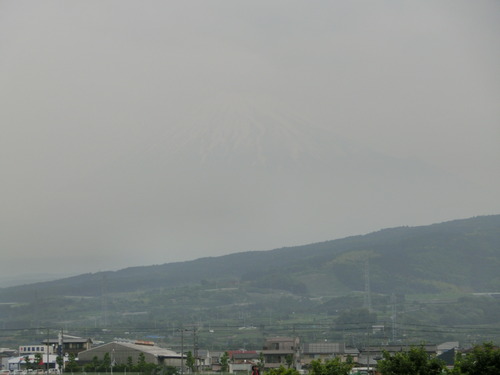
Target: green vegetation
(413, 362)
(282, 371)
(333, 366)
(190, 361)
(72, 365)
(422, 282)
(482, 360)
(224, 362)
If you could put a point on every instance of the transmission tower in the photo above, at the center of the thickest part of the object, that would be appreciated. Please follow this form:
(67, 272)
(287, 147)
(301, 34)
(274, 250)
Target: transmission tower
(104, 300)
(368, 298)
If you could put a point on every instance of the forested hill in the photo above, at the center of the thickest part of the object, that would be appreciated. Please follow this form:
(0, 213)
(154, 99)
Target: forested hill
(459, 255)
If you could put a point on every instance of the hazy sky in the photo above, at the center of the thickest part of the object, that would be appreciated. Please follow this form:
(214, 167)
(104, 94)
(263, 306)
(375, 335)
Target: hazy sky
(148, 132)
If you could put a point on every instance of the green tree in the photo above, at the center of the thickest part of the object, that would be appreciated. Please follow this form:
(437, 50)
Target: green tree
(93, 366)
(289, 360)
(60, 362)
(142, 366)
(130, 363)
(105, 363)
(262, 360)
(169, 370)
(224, 362)
(29, 365)
(282, 371)
(190, 361)
(120, 367)
(482, 360)
(151, 368)
(71, 365)
(38, 362)
(333, 366)
(416, 361)
(141, 363)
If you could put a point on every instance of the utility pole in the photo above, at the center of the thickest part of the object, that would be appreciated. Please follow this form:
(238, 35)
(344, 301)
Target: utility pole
(369, 351)
(195, 349)
(61, 350)
(182, 350)
(48, 358)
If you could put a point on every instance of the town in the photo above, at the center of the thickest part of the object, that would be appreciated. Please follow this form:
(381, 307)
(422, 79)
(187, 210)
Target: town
(66, 353)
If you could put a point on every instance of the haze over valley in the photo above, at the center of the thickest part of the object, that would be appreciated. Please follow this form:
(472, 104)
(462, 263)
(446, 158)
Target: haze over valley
(137, 135)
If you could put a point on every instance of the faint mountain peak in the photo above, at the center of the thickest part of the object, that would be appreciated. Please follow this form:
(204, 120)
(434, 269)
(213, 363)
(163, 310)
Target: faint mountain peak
(241, 127)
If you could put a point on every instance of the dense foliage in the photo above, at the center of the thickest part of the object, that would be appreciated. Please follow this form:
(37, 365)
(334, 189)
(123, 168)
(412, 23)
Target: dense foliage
(413, 362)
(224, 362)
(482, 360)
(282, 371)
(333, 366)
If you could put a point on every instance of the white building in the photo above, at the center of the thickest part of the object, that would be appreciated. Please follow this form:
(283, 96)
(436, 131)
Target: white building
(35, 349)
(19, 363)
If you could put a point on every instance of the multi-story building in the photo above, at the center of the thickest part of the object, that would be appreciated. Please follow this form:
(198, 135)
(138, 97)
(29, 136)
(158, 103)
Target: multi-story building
(281, 351)
(70, 344)
(35, 349)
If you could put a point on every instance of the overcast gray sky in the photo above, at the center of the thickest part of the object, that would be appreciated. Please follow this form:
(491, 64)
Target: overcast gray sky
(148, 132)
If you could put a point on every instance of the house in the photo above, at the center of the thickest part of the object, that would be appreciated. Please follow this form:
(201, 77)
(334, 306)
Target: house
(70, 344)
(242, 360)
(448, 357)
(446, 346)
(215, 365)
(204, 360)
(121, 351)
(281, 351)
(351, 352)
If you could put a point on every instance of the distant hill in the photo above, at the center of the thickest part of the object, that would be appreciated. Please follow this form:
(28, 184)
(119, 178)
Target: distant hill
(460, 255)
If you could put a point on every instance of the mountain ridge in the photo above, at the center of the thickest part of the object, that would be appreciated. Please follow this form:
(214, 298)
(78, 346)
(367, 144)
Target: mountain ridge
(392, 251)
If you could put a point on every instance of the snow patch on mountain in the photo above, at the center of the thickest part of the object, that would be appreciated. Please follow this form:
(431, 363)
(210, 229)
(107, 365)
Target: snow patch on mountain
(238, 128)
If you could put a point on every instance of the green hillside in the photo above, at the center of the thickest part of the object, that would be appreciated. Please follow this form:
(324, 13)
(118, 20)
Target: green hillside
(461, 255)
(427, 273)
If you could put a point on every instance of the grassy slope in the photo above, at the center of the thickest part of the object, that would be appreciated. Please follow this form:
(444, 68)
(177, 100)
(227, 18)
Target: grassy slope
(461, 255)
